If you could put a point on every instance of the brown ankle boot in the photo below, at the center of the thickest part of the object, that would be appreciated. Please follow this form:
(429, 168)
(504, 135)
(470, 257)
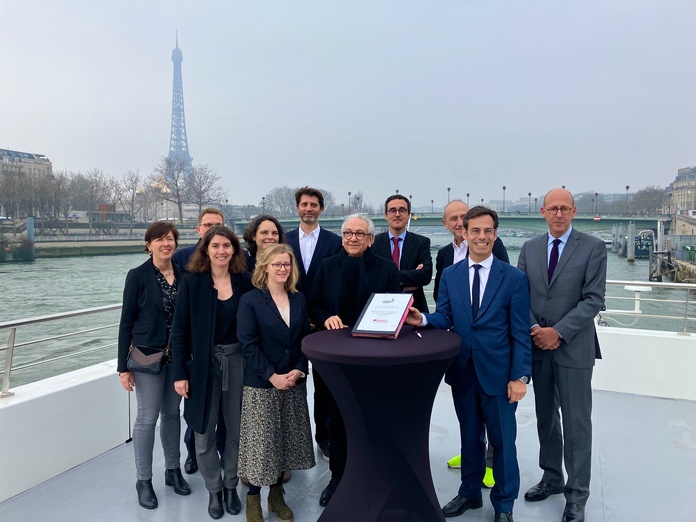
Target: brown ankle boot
(253, 508)
(277, 505)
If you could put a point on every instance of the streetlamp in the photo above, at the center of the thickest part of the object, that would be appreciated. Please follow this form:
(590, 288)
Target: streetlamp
(432, 206)
(397, 191)
(349, 202)
(481, 201)
(627, 187)
(357, 203)
(448, 191)
(529, 203)
(343, 209)
(410, 203)
(263, 202)
(504, 187)
(467, 198)
(596, 204)
(535, 205)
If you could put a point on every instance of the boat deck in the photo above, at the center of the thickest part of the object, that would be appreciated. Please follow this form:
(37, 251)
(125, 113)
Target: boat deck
(644, 469)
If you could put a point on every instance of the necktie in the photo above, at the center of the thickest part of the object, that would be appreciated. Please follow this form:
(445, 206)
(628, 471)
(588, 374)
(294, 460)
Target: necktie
(553, 259)
(396, 253)
(475, 291)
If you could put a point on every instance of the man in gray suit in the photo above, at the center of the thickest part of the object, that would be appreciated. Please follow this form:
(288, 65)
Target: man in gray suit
(567, 278)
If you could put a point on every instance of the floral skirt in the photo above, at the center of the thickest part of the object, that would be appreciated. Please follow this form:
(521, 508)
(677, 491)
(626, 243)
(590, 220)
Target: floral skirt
(275, 433)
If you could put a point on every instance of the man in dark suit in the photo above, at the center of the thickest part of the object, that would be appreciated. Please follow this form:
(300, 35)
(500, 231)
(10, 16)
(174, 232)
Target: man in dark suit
(457, 250)
(487, 303)
(567, 276)
(312, 244)
(410, 252)
(341, 290)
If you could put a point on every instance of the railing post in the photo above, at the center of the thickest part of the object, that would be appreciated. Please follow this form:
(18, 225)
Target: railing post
(8, 365)
(686, 312)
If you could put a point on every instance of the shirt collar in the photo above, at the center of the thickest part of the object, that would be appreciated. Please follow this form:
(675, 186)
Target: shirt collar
(486, 263)
(402, 235)
(563, 238)
(313, 233)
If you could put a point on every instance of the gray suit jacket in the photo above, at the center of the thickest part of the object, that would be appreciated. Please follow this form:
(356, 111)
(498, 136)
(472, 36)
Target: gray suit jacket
(572, 299)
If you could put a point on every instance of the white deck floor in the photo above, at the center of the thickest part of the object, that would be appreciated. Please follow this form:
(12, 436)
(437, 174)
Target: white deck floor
(644, 469)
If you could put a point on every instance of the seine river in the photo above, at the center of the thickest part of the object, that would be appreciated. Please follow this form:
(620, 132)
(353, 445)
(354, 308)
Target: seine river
(49, 286)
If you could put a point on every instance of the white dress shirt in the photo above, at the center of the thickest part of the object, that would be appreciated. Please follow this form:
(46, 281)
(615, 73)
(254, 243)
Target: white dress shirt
(308, 243)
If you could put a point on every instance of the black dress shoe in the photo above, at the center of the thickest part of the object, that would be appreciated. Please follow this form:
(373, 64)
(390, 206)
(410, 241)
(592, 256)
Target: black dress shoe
(503, 517)
(542, 491)
(328, 491)
(215, 505)
(459, 505)
(191, 465)
(232, 503)
(174, 478)
(573, 513)
(146, 495)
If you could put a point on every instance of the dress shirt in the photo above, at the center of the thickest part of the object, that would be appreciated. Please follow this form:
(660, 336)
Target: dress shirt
(308, 243)
(460, 251)
(549, 244)
(484, 271)
(401, 236)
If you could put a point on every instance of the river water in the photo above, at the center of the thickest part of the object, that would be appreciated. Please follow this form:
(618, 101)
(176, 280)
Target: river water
(49, 286)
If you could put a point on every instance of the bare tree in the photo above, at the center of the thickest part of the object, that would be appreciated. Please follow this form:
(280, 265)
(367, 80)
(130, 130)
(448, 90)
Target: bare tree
(202, 186)
(280, 201)
(127, 193)
(169, 178)
(96, 189)
(648, 200)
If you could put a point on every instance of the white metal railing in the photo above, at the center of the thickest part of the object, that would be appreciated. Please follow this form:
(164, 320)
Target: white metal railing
(635, 298)
(12, 343)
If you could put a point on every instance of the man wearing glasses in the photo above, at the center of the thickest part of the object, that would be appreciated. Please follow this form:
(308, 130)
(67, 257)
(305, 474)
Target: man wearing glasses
(209, 217)
(567, 277)
(340, 292)
(410, 252)
(312, 244)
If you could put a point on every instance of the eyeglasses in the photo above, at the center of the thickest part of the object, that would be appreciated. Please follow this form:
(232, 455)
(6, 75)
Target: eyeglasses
(284, 266)
(394, 211)
(359, 235)
(554, 210)
(487, 231)
(208, 225)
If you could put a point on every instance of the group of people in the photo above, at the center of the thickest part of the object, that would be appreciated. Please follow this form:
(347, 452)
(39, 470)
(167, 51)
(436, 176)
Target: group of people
(231, 322)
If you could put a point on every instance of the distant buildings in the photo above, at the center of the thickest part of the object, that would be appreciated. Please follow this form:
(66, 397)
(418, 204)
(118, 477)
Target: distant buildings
(681, 193)
(22, 163)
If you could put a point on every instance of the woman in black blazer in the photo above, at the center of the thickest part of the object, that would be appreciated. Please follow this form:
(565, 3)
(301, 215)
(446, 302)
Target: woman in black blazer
(262, 232)
(149, 297)
(208, 363)
(276, 434)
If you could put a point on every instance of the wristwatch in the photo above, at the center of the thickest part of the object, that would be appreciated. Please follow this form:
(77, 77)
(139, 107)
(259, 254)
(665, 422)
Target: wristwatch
(524, 379)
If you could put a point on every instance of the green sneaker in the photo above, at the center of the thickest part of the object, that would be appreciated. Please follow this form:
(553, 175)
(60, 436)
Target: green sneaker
(455, 462)
(488, 479)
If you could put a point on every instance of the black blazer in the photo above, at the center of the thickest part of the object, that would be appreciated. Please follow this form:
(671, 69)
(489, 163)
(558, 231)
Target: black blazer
(142, 314)
(328, 244)
(327, 299)
(445, 258)
(183, 255)
(192, 340)
(268, 344)
(415, 250)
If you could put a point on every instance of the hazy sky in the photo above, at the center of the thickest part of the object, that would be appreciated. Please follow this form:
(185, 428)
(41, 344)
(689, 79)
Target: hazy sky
(360, 95)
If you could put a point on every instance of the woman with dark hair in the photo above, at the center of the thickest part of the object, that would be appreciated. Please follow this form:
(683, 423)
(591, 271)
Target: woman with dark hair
(275, 434)
(262, 232)
(207, 357)
(149, 297)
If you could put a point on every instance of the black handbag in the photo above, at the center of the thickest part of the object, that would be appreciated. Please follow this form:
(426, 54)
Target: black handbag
(145, 359)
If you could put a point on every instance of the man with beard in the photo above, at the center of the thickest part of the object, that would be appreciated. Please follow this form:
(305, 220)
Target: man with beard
(312, 244)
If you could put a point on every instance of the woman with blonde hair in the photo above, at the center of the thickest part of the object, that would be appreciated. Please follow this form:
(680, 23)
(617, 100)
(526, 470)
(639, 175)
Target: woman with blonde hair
(275, 433)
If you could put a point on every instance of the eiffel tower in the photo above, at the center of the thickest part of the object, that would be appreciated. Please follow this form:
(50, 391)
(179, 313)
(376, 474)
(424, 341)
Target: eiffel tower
(178, 142)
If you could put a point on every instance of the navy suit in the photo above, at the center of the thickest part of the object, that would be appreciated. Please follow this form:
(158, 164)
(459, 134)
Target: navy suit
(496, 349)
(445, 258)
(415, 250)
(183, 255)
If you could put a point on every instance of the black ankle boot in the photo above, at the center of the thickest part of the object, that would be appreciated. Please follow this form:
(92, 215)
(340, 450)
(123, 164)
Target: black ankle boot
(232, 503)
(174, 478)
(215, 505)
(146, 495)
